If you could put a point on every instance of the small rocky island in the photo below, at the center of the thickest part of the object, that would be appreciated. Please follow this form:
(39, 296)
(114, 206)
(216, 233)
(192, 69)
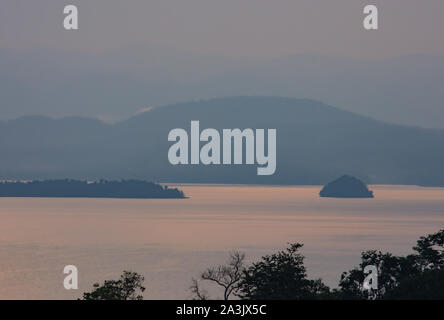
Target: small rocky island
(129, 189)
(346, 187)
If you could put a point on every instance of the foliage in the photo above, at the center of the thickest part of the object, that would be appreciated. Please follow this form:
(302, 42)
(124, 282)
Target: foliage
(280, 276)
(430, 252)
(427, 285)
(396, 274)
(126, 288)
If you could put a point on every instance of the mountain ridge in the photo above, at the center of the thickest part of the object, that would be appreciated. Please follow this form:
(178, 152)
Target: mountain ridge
(315, 143)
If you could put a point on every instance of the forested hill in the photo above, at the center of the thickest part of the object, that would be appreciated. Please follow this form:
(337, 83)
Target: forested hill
(315, 144)
(83, 189)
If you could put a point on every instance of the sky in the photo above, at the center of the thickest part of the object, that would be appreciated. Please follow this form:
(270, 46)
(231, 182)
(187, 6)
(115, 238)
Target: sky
(164, 51)
(234, 28)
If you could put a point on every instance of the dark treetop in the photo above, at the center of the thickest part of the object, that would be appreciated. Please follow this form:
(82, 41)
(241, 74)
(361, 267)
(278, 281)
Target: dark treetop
(84, 189)
(346, 187)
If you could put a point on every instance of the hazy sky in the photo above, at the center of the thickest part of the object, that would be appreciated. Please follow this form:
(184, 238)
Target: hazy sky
(253, 28)
(129, 55)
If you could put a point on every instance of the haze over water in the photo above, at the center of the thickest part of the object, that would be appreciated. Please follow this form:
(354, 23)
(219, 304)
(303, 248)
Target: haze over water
(170, 241)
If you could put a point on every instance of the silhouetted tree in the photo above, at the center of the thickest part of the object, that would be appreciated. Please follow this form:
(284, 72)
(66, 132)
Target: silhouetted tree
(280, 276)
(390, 269)
(427, 285)
(226, 276)
(126, 288)
(395, 274)
(430, 252)
(198, 293)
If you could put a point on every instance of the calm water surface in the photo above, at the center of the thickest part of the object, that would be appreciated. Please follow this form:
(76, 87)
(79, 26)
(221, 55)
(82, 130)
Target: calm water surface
(170, 241)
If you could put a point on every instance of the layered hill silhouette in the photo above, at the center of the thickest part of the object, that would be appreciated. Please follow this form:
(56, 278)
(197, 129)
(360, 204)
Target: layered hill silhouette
(315, 142)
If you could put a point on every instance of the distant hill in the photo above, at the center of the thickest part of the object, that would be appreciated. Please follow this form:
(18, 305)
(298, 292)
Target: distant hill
(346, 187)
(403, 90)
(82, 189)
(315, 142)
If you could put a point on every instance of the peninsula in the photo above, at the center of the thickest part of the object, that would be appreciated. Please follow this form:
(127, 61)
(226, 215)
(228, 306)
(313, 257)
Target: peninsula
(131, 189)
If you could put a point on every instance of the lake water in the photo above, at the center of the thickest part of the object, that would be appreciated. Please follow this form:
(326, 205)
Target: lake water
(171, 241)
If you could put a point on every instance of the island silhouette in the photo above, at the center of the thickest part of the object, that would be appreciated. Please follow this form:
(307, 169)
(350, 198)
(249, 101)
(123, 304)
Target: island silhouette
(134, 189)
(346, 187)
